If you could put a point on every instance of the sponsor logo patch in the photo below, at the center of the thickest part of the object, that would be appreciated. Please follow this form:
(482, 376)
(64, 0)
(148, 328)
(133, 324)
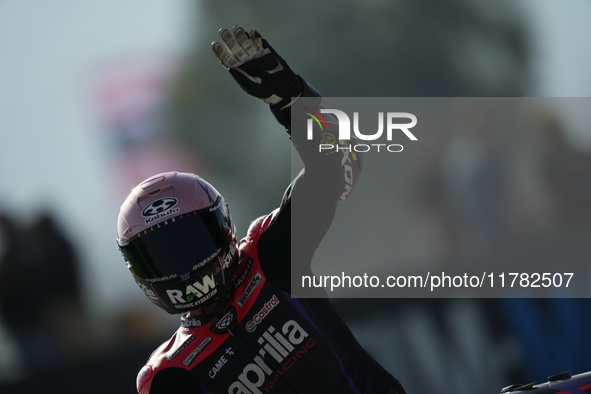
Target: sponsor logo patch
(265, 310)
(221, 362)
(195, 352)
(191, 322)
(226, 322)
(228, 257)
(160, 208)
(244, 274)
(251, 326)
(253, 284)
(162, 279)
(194, 294)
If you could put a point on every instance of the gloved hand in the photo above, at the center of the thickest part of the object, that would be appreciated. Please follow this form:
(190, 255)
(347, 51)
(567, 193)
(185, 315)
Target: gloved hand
(257, 67)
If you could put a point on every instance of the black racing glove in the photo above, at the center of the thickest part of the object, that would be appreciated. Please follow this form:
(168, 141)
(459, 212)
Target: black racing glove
(260, 71)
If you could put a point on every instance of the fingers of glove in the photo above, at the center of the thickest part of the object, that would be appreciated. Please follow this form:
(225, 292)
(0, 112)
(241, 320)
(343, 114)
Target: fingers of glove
(227, 59)
(255, 36)
(244, 41)
(233, 45)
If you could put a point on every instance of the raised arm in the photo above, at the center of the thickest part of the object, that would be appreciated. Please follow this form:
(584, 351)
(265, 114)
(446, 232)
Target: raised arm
(309, 204)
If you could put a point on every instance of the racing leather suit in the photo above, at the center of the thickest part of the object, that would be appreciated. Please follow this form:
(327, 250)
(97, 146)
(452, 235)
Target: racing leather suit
(265, 341)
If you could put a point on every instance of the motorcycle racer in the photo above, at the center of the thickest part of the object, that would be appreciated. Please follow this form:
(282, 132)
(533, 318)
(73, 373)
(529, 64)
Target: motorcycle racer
(241, 329)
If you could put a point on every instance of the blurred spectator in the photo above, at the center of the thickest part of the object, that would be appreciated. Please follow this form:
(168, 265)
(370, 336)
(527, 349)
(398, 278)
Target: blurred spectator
(40, 292)
(551, 332)
(476, 185)
(567, 172)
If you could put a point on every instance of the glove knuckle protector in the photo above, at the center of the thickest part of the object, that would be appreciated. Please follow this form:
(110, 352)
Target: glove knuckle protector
(259, 70)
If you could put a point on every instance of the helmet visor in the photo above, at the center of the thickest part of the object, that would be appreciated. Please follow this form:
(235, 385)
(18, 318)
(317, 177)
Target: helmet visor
(179, 245)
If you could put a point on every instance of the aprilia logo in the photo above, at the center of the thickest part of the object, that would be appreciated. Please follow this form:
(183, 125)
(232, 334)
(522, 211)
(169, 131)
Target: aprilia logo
(230, 255)
(279, 346)
(191, 322)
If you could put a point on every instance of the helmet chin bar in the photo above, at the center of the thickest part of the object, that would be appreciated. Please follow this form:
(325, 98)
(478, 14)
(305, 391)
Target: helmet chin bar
(223, 299)
(165, 294)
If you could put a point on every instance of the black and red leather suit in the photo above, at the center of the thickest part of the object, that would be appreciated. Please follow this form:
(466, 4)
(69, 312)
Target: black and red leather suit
(265, 341)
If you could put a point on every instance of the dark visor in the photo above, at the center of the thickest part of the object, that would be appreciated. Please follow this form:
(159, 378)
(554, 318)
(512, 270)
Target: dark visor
(179, 244)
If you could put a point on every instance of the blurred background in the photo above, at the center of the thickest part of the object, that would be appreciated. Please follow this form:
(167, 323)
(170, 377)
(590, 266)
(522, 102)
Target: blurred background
(96, 96)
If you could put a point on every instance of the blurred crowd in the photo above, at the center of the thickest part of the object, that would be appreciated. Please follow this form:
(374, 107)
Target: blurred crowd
(41, 304)
(500, 192)
(505, 190)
